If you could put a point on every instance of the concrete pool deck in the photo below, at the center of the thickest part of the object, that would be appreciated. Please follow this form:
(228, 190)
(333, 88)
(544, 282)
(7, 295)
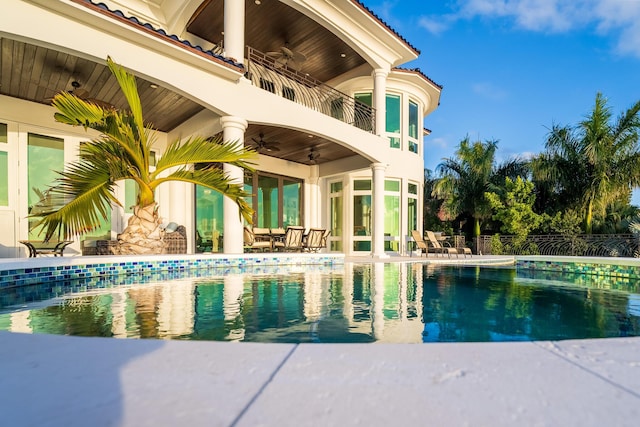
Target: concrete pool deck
(48, 380)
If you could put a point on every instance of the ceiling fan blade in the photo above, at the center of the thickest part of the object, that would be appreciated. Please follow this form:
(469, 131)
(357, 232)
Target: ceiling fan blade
(298, 57)
(275, 54)
(270, 147)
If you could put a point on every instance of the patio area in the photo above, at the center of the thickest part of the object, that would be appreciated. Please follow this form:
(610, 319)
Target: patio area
(71, 381)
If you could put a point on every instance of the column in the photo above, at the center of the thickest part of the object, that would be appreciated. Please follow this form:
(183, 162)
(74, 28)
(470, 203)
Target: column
(377, 249)
(313, 205)
(233, 130)
(234, 30)
(380, 99)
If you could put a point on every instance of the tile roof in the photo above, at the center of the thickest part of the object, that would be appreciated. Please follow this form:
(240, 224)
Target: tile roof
(420, 73)
(377, 18)
(159, 32)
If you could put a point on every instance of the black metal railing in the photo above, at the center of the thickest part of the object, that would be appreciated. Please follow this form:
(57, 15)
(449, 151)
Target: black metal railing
(605, 245)
(265, 72)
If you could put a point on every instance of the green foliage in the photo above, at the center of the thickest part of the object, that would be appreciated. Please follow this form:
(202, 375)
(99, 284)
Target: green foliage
(497, 248)
(466, 178)
(593, 165)
(566, 223)
(514, 208)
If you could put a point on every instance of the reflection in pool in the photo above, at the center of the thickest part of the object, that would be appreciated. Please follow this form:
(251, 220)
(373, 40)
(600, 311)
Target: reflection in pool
(394, 302)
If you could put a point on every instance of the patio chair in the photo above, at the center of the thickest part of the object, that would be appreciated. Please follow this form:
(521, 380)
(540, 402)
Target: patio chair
(292, 240)
(438, 247)
(313, 242)
(420, 243)
(251, 244)
(325, 237)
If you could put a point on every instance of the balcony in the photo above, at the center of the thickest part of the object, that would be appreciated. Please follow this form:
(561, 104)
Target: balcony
(264, 72)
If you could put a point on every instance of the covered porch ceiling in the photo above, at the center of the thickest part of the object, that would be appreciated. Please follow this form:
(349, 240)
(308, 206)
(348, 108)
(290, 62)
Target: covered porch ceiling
(270, 25)
(36, 73)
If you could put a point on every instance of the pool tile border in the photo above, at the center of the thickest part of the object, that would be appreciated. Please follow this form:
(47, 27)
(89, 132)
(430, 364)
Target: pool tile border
(605, 267)
(44, 270)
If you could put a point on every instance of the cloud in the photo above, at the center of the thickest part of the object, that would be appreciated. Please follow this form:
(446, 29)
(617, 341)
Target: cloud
(618, 18)
(489, 91)
(433, 24)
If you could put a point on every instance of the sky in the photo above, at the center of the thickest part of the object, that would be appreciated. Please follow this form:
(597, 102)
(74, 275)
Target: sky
(510, 69)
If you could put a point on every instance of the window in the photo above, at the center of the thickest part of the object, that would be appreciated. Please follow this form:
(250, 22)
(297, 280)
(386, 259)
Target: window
(209, 219)
(413, 120)
(391, 215)
(362, 210)
(335, 216)
(363, 113)
(393, 120)
(276, 200)
(412, 207)
(413, 127)
(45, 156)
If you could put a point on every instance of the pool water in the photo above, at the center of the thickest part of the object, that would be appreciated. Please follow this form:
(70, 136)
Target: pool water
(394, 302)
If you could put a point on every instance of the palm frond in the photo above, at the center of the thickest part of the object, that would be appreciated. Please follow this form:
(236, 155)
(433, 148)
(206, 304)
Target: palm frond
(199, 150)
(217, 180)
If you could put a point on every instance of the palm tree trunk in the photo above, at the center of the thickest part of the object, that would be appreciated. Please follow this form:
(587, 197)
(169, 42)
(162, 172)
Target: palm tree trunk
(588, 219)
(143, 234)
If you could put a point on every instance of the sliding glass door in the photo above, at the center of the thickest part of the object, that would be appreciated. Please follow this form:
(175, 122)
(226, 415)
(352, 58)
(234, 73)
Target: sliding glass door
(276, 200)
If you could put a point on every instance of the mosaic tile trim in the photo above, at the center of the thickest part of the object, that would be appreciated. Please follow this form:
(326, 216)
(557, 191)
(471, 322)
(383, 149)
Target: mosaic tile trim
(13, 296)
(30, 276)
(593, 268)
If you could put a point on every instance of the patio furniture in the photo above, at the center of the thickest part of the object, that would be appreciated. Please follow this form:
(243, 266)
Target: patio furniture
(292, 240)
(41, 247)
(176, 241)
(420, 243)
(313, 241)
(251, 244)
(438, 248)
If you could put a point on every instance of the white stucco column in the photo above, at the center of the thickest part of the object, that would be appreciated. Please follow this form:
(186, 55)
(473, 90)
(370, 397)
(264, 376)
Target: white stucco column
(234, 29)
(377, 249)
(380, 99)
(313, 205)
(233, 130)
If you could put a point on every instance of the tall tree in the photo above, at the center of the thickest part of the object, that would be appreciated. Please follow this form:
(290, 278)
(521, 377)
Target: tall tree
(595, 164)
(84, 191)
(473, 172)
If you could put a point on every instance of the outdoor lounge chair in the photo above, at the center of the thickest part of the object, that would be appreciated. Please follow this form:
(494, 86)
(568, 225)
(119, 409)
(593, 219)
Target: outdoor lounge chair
(438, 248)
(420, 243)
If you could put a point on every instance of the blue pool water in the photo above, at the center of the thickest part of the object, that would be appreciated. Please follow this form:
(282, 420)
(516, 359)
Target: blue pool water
(395, 302)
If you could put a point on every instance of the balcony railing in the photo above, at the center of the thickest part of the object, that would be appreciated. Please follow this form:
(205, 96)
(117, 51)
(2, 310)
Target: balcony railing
(264, 72)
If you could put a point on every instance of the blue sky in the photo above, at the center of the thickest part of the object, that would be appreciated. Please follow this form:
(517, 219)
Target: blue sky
(512, 68)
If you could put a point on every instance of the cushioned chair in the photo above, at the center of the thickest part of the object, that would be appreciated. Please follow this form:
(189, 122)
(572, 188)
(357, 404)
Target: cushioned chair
(313, 242)
(292, 240)
(251, 244)
(438, 248)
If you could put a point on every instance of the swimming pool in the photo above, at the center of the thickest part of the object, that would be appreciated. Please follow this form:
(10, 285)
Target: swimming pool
(393, 302)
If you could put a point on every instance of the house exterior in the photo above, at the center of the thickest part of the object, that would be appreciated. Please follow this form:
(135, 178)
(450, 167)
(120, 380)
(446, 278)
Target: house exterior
(315, 86)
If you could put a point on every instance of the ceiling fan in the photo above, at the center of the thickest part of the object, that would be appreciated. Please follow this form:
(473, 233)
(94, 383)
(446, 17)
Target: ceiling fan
(313, 156)
(262, 145)
(84, 95)
(287, 57)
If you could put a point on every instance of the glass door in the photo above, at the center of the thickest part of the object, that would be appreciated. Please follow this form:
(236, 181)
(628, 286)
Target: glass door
(45, 157)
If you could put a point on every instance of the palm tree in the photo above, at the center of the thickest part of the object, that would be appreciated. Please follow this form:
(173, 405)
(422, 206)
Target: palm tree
(466, 178)
(595, 164)
(84, 191)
